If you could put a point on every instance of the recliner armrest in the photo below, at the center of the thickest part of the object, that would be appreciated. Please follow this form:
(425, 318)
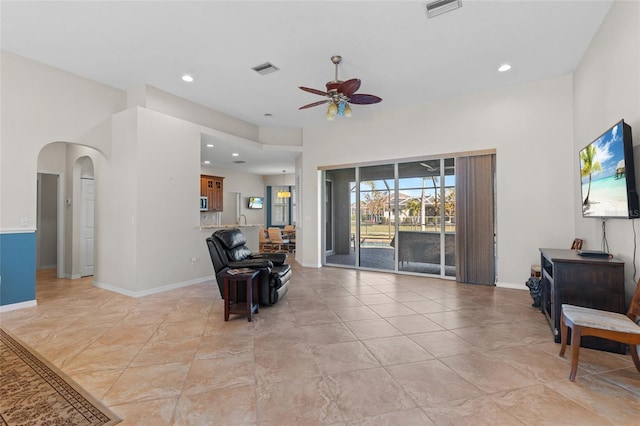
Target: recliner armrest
(277, 258)
(251, 263)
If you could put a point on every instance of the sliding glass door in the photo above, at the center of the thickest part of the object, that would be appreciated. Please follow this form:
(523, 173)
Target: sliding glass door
(339, 200)
(426, 224)
(377, 228)
(394, 217)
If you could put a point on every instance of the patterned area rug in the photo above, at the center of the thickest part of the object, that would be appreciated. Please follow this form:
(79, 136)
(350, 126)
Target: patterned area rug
(34, 392)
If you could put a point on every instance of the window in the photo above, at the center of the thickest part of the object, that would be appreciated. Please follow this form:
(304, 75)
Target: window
(279, 206)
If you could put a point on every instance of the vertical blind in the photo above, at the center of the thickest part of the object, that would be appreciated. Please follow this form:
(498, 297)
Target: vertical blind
(475, 213)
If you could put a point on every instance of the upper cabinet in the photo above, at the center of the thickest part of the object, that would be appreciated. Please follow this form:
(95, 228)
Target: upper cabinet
(211, 187)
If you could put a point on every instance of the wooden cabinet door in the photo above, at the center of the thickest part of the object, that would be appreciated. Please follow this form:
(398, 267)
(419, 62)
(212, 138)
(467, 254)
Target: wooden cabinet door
(216, 197)
(203, 186)
(212, 187)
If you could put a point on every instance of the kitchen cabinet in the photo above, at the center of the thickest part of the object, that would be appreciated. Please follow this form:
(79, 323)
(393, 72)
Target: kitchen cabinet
(211, 187)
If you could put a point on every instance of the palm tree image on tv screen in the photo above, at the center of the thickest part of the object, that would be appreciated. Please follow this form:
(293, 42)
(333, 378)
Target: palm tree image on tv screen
(607, 176)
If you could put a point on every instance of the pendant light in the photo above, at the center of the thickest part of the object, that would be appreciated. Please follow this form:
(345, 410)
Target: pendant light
(283, 193)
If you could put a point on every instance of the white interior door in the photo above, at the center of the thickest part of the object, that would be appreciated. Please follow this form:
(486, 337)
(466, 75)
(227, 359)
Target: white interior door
(87, 227)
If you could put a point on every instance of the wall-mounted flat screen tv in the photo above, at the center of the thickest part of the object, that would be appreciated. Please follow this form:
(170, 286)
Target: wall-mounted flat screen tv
(607, 175)
(256, 202)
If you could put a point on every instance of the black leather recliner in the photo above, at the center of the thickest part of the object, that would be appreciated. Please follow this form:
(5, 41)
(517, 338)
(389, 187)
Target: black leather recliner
(228, 250)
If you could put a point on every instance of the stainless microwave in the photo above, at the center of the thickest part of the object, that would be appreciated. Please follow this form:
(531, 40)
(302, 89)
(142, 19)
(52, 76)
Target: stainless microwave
(204, 204)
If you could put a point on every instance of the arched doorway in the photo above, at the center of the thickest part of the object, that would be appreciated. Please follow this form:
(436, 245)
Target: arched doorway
(66, 219)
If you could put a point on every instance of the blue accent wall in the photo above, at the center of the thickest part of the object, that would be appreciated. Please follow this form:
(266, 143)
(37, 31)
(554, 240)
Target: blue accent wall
(17, 268)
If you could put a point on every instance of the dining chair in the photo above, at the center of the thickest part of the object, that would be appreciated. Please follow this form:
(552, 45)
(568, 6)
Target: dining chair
(289, 233)
(265, 244)
(275, 236)
(607, 325)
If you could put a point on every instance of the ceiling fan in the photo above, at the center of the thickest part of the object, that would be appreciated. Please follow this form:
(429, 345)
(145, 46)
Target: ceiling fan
(340, 94)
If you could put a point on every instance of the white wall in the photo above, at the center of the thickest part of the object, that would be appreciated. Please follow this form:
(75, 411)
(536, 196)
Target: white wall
(116, 211)
(146, 205)
(280, 136)
(175, 106)
(53, 158)
(607, 88)
(168, 188)
(40, 105)
(528, 125)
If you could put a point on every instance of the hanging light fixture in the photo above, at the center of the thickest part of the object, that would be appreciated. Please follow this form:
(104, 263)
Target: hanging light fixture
(284, 193)
(340, 108)
(340, 94)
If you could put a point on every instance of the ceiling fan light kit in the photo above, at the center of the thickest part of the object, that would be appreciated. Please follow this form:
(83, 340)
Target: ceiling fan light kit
(340, 94)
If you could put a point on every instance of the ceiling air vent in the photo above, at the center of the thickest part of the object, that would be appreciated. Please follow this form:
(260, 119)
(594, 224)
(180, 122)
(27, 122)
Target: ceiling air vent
(439, 7)
(266, 68)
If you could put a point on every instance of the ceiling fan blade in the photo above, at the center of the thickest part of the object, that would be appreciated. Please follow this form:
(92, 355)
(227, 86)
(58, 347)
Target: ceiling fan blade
(314, 91)
(349, 87)
(314, 104)
(362, 99)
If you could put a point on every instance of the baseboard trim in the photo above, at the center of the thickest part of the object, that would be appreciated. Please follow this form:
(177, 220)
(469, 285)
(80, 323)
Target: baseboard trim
(310, 265)
(19, 305)
(511, 286)
(151, 291)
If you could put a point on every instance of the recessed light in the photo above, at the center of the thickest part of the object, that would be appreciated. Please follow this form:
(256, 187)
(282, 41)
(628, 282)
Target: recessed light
(209, 145)
(235, 154)
(504, 67)
(207, 162)
(268, 114)
(187, 78)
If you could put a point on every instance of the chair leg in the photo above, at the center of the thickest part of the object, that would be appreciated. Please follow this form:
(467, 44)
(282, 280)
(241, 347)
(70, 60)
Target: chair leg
(563, 335)
(634, 355)
(575, 351)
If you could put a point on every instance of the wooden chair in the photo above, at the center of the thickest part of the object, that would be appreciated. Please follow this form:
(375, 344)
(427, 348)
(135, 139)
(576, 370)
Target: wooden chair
(604, 324)
(275, 236)
(289, 233)
(265, 244)
(577, 244)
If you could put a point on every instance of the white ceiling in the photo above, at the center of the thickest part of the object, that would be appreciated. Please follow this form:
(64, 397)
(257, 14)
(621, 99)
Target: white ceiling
(251, 157)
(397, 52)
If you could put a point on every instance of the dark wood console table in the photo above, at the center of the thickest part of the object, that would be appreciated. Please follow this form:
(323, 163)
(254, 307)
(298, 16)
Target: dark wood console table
(592, 282)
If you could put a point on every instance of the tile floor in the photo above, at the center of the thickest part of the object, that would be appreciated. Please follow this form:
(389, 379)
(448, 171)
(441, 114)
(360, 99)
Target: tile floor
(342, 348)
